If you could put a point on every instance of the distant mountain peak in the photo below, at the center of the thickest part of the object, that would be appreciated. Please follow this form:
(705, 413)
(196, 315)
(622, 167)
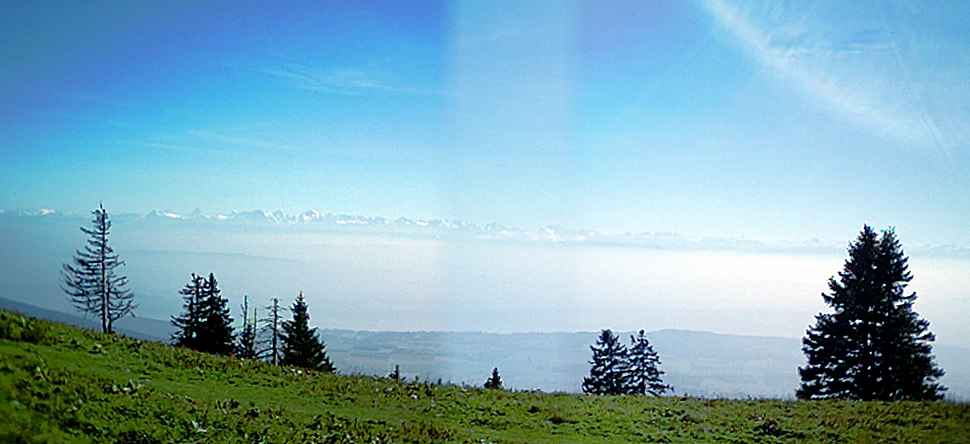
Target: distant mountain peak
(164, 214)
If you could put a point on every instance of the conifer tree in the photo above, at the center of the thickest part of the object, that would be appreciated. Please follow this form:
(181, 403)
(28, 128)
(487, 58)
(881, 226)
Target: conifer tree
(247, 337)
(188, 325)
(92, 281)
(302, 346)
(643, 368)
(494, 382)
(271, 333)
(872, 346)
(216, 332)
(607, 374)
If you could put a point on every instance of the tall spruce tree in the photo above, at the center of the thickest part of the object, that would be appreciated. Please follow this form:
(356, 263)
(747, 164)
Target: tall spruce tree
(873, 346)
(188, 325)
(494, 381)
(607, 374)
(216, 334)
(270, 331)
(643, 368)
(247, 337)
(302, 346)
(92, 281)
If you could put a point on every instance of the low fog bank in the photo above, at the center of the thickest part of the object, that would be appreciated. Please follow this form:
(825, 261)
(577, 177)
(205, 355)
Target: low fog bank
(380, 281)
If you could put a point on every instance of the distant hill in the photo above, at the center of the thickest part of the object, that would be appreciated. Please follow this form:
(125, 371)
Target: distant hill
(697, 363)
(139, 328)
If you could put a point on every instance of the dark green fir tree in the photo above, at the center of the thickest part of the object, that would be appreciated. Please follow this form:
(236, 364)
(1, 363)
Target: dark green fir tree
(607, 374)
(494, 382)
(302, 346)
(872, 345)
(643, 368)
(188, 324)
(216, 334)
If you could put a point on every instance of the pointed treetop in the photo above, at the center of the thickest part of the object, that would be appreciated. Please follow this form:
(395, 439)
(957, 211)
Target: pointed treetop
(494, 381)
(873, 345)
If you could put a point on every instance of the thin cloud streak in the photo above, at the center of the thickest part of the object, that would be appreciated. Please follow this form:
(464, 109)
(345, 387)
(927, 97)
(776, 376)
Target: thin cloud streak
(240, 141)
(208, 141)
(342, 82)
(166, 146)
(858, 106)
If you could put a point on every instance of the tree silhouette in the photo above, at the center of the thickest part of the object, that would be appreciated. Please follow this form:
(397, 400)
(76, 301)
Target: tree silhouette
(92, 281)
(607, 375)
(873, 345)
(301, 345)
(643, 368)
(495, 381)
(271, 333)
(247, 337)
(188, 325)
(205, 324)
(216, 332)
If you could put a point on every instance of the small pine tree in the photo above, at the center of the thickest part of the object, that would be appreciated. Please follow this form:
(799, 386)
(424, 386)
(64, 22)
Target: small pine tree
(92, 281)
(494, 382)
(216, 332)
(271, 333)
(607, 374)
(247, 337)
(873, 346)
(301, 345)
(188, 325)
(643, 368)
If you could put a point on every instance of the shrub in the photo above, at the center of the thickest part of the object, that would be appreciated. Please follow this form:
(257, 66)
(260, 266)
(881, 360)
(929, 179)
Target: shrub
(20, 328)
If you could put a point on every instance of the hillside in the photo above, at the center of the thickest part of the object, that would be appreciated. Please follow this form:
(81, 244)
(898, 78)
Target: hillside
(63, 384)
(697, 363)
(138, 328)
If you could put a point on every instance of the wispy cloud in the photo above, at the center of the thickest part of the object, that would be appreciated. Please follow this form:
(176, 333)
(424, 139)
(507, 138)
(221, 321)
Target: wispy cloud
(168, 146)
(209, 141)
(337, 81)
(240, 140)
(879, 106)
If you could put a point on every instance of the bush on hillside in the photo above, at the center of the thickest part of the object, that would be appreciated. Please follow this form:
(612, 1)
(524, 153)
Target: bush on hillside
(20, 328)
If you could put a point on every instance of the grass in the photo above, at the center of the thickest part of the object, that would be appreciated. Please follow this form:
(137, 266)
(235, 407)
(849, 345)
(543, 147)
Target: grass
(63, 384)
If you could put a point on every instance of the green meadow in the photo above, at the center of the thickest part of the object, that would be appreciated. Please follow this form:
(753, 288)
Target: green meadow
(63, 384)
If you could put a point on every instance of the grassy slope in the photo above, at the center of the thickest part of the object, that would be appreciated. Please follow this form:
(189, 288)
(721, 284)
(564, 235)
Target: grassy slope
(71, 385)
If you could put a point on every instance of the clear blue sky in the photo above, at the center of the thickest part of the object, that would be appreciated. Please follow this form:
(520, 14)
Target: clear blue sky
(780, 120)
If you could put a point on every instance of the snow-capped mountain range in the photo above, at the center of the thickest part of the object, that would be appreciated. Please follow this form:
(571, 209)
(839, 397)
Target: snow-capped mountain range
(316, 218)
(457, 229)
(312, 218)
(279, 217)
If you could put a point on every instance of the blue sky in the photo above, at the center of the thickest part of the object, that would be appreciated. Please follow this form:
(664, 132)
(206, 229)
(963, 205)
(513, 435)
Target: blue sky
(775, 120)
